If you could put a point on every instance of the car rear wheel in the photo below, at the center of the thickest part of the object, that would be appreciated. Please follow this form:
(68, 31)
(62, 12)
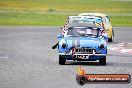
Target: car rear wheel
(102, 61)
(62, 60)
(112, 37)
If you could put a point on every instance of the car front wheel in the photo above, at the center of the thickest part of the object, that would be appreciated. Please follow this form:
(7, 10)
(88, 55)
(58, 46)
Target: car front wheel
(62, 60)
(102, 61)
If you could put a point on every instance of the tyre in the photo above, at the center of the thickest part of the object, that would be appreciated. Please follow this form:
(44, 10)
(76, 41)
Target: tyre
(112, 37)
(62, 60)
(102, 61)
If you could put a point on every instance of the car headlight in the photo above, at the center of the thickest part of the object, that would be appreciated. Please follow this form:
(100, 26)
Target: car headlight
(101, 46)
(63, 45)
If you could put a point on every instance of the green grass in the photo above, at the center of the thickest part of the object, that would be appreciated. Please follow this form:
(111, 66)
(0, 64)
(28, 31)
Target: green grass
(121, 20)
(54, 12)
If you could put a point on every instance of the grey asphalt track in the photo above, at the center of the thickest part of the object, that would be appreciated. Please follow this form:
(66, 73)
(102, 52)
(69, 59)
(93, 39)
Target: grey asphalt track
(27, 60)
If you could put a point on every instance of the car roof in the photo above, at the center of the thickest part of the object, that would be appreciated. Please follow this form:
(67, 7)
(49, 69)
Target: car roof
(82, 16)
(81, 25)
(93, 14)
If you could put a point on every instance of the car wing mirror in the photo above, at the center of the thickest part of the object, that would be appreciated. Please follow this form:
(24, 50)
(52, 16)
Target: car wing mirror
(60, 36)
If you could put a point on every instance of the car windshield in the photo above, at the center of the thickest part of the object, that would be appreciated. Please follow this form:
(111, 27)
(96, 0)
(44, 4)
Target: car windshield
(82, 31)
(86, 19)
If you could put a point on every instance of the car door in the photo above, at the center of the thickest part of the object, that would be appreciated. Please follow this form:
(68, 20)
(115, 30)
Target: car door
(108, 26)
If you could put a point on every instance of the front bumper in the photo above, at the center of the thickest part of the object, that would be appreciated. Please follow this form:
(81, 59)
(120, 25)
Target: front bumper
(79, 56)
(92, 54)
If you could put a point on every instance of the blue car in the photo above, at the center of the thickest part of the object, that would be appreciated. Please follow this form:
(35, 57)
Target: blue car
(82, 42)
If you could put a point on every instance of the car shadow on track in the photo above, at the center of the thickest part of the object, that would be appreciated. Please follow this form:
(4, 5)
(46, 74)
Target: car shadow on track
(83, 63)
